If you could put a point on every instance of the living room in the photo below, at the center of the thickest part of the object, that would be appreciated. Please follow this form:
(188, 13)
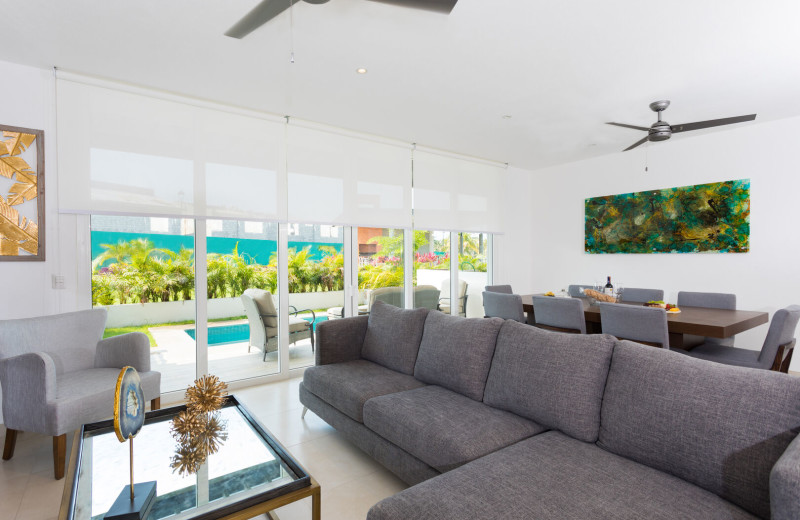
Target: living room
(524, 91)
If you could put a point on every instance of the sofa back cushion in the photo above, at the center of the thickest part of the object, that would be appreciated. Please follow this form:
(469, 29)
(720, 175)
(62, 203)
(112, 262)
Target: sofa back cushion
(456, 352)
(393, 336)
(554, 379)
(720, 427)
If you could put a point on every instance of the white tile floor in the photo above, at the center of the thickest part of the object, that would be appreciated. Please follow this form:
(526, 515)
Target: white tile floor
(351, 481)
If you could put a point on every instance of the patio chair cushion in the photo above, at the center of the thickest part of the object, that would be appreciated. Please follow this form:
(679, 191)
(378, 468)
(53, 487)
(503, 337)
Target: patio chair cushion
(456, 352)
(552, 476)
(393, 336)
(717, 426)
(442, 428)
(266, 306)
(552, 378)
(347, 386)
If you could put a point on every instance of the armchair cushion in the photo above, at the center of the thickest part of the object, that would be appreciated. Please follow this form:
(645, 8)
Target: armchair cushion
(132, 349)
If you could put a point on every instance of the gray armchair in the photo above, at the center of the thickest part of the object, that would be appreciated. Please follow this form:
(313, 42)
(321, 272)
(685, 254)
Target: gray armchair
(57, 373)
(263, 320)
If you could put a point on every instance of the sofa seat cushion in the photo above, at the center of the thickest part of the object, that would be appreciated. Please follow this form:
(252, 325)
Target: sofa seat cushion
(442, 428)
(720, 427)
(552, 476)
(456, 353)
(347, 386)
(552, 378)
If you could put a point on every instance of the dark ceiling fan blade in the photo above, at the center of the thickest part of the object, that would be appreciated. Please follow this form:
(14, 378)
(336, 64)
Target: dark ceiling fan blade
(258, 16)
(439, 6)
(637, 143)
(713, 122)
(630, 126)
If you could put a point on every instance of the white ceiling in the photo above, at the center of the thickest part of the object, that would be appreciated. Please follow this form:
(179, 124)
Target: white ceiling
(560, 69)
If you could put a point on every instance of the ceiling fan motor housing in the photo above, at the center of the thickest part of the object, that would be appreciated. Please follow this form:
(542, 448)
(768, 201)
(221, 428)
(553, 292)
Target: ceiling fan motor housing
(659, 131)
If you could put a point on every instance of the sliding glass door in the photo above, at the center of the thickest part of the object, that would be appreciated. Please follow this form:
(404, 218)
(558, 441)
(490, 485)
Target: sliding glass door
(143, 274)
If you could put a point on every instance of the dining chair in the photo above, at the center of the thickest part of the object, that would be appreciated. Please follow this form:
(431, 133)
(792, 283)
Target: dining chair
(634, 295)
(57, 373)
(504, 289)
(775, 354)
(576, 291)
(506, 306)
(646, 325)
(710, 301)
(559, 314)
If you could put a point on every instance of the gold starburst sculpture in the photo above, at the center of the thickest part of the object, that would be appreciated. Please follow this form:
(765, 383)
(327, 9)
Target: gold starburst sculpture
(207, 394)
(199, 430)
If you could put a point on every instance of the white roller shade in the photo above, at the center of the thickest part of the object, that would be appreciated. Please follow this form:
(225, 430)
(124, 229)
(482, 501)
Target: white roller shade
(457, 194)
(347, 179)
(122, 151)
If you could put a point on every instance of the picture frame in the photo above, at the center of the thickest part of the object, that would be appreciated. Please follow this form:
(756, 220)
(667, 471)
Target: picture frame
(22, 194)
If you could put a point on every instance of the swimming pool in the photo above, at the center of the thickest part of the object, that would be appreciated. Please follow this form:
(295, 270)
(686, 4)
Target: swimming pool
(225, 334)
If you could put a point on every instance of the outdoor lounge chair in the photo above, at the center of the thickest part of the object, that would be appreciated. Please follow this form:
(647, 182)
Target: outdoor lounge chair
(444, 301)
(263, 319)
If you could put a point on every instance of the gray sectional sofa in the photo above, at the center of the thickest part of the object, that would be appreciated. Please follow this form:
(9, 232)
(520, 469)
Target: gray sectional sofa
(487, 418)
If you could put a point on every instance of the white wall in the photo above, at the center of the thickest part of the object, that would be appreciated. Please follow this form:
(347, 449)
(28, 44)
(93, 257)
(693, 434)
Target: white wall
(25, 287)
(764, 279)
(513, 249)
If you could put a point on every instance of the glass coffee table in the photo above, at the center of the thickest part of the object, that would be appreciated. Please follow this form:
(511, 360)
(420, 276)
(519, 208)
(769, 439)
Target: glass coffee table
(251, 474)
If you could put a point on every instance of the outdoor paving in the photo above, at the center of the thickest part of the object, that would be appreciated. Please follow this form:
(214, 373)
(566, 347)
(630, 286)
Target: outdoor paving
(175, 357)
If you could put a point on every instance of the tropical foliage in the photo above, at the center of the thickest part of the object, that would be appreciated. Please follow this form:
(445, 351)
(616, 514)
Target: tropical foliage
(139, 272)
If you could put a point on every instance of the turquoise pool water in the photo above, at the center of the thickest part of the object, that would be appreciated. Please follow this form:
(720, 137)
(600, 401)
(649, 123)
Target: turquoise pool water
(233, 333)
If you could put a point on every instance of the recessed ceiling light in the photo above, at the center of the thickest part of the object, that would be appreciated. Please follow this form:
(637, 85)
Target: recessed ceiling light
(362, 70)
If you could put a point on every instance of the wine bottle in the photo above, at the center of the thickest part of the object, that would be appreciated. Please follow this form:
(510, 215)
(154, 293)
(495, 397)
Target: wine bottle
(609, 289)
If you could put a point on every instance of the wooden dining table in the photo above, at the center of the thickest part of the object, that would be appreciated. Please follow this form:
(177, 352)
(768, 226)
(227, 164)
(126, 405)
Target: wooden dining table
(700, 321)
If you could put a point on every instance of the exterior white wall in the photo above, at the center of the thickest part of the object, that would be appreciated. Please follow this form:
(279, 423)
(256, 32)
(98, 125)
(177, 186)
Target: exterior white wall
(764, 279)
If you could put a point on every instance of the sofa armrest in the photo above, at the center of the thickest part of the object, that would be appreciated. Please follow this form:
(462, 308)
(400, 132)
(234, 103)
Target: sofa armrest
(340, 340)
(28, 382)
(131, 349)
(784, 484)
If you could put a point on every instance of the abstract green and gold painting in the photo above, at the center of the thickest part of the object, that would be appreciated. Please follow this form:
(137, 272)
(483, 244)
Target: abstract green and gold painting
(689, 219)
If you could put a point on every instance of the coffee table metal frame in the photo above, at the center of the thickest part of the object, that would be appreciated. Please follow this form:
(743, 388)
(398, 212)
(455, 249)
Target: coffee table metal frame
(303, 487)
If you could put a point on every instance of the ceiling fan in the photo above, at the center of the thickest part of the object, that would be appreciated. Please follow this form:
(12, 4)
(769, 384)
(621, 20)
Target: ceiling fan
(661, 130)
(266, 10)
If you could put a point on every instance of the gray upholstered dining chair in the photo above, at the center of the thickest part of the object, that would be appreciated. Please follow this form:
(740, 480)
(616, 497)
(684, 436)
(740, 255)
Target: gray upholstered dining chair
(635, 295)
(58, 373)
(646, 325)
(775, 354)
(506, 306)
(576, 291)
(262, 317)
(503, 289)
(709, 301)
(559, 314)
